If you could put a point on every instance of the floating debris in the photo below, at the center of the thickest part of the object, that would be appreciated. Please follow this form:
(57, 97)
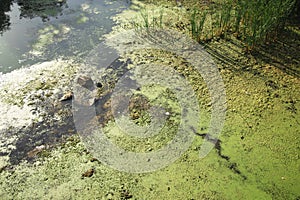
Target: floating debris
(67, 96)
(88, 173)
(35, 151)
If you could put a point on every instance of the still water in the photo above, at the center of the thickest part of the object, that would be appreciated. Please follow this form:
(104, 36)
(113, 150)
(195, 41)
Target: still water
(40, 30)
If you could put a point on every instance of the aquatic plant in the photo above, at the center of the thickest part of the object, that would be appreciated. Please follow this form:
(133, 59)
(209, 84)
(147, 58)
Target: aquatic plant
(254, 22)
(161, 14)
(225, 16)
(263, 19)
(197, 26)
(149, 19)
(145, 16)
(238, 14)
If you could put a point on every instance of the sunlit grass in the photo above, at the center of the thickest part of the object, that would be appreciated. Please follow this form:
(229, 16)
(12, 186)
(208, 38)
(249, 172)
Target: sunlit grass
(254, 22)
(149, 19)
(197, 24)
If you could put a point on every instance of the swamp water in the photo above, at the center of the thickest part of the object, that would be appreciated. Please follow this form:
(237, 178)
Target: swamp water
(257, 156)
(45, 30)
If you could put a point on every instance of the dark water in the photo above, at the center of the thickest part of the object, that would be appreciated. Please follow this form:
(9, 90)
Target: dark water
(53, 28)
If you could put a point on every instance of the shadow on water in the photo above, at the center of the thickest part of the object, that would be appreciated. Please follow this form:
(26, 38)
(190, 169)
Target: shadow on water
(41, 8)
(47, 133)
(283, 53)
(30, 9)
(4, 18)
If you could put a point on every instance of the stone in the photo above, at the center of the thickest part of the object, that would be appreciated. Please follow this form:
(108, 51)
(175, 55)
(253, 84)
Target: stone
(86, 82)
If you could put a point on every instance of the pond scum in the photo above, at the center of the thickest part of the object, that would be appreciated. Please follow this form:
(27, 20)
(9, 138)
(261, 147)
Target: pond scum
(255, 46)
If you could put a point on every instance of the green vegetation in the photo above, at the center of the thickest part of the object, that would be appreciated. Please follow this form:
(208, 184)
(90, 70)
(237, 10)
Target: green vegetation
(197, 24)
(150, 19)
(254, 22)
(257, 155)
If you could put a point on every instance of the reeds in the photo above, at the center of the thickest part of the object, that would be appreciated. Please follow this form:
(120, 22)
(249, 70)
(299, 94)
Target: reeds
(197, 24)
(225, 17)
(254, 22)
(149, 19)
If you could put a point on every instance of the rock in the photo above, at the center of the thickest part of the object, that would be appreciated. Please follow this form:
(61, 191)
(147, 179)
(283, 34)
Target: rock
(178, 2)
(110, 196)
(86, 82)
(126, 195)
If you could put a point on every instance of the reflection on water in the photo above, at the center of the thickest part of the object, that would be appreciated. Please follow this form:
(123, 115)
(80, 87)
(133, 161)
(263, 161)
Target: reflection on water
(41, 8)
(30, 9)
(38, 30)
(4, 18)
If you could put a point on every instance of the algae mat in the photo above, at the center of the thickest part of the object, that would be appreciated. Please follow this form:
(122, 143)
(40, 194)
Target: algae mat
(256, 157)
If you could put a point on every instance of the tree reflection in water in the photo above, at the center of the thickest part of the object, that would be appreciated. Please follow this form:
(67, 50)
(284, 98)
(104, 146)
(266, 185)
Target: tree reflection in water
(30, 9)
(4, 18)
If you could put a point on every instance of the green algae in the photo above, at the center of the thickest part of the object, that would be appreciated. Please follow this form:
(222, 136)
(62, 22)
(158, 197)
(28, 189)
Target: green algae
(82, 19)
(59, 176)
(265, 144)
(258, 156)
(48, 36)
(157, 97)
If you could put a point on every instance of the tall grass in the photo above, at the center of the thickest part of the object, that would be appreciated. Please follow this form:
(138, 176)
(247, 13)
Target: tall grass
(149, 20)
(145, 17)
(263, 19)
(197, 24)
(225, 17)
(254, 22)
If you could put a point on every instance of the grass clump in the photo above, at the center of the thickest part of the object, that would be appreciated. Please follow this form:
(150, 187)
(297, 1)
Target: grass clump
(149, 19)
(254, 22)
(197, 23)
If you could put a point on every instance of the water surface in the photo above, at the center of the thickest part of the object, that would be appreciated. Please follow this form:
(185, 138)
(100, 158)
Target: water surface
(35, 30)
